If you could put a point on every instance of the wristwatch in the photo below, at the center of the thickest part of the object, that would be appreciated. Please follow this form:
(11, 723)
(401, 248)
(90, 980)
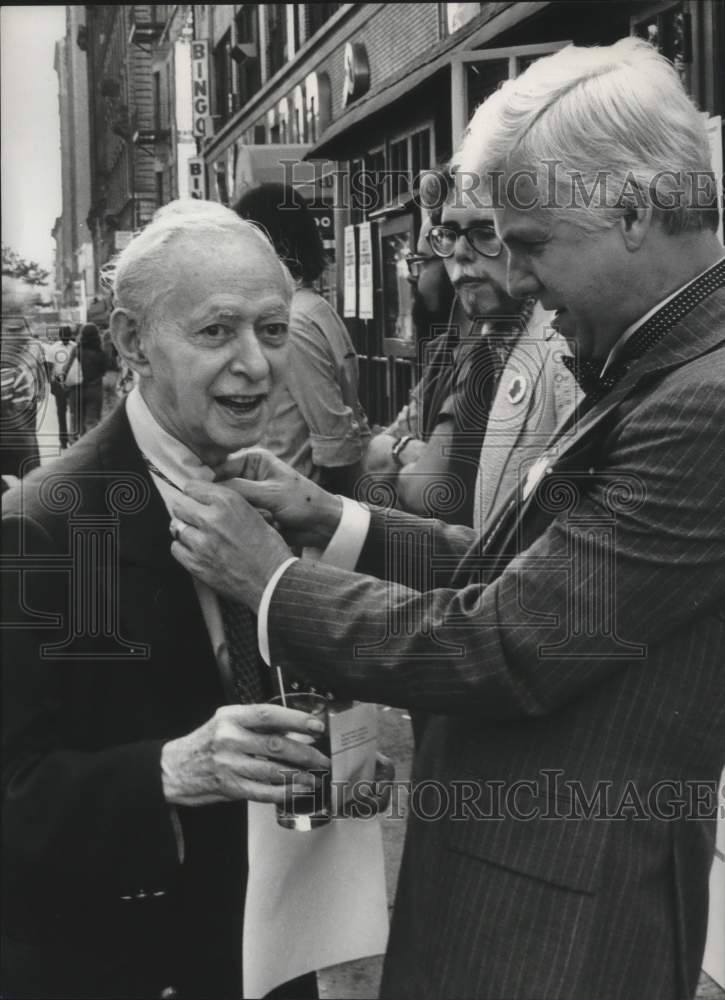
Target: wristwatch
(398, 447)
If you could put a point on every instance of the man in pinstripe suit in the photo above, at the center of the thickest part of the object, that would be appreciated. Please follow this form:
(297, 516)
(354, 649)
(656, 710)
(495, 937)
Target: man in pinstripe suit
(561, 827)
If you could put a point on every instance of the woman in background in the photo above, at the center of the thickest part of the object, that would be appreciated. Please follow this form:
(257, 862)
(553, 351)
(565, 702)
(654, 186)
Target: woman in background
(319, 427)
(93, 366)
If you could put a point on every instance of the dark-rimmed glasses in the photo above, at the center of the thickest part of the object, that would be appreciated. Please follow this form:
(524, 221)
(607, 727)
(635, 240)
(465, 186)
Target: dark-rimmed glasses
(482, 238)
(415, 262)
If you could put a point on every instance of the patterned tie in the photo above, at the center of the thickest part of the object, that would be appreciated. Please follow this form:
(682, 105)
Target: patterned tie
(588, 373)
(250, 675)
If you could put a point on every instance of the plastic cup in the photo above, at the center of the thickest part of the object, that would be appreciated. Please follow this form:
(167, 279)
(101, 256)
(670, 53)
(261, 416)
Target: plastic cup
(308, 809)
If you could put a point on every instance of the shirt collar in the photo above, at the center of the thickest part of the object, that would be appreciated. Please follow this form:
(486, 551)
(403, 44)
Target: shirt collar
(619, 345)
(172, 458)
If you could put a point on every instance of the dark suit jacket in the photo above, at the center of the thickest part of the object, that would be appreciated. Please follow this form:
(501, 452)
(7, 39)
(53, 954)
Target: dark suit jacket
(575, 658)
(100, 668)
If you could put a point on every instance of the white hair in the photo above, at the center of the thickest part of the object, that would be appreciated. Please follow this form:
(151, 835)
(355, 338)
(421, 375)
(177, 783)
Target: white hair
(138, 276)
(603, 129)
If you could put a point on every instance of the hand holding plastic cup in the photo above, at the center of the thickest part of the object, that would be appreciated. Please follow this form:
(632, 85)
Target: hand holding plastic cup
(309, 808)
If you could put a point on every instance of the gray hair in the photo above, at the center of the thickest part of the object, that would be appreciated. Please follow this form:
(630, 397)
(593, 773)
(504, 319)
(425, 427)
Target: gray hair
(138, 276)
(599, 130)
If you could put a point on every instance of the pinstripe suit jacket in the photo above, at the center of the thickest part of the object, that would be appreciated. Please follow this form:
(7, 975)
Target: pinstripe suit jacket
(575, 658)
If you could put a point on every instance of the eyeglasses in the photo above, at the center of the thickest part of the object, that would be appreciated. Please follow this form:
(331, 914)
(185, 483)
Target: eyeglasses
(483, 239)
(415, 262)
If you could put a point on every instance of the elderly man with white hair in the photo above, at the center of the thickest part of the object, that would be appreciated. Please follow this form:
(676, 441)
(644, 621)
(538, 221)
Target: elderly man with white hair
(133, 731)
(563, 801)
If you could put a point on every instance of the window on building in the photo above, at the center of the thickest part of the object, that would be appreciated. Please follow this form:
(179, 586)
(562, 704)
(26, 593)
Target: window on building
(482, 79)
(318, 14)
(454, 15)
(375, 178)
(223, 78)
(398, 169)
(159, 188)
(249, 65)
(669, 31)
(220, 176)
(276, 36)
(420, 158)
(475, 75)
(158, 117)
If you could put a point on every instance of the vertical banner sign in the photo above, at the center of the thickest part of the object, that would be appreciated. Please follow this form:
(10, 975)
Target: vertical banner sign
(365, 294)
(350, 297)
(197, 187)
(200, 97)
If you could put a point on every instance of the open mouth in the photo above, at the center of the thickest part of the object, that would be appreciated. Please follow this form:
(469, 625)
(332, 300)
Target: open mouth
(241, 406)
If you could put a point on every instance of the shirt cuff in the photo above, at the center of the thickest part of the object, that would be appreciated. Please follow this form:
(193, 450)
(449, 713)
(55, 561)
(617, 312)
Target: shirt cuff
(263, 613)
(345, 546)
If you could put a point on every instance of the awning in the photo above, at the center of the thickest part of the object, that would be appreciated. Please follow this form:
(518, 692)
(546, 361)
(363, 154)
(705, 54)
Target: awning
(337, 137)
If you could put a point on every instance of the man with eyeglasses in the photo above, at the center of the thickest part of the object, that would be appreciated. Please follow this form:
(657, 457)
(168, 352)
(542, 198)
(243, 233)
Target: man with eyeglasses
(502, 400)
(436, 316)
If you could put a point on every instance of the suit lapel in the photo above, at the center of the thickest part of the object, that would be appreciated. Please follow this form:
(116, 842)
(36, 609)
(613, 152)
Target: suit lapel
(143, 517)
(158, 590)
(700, 332)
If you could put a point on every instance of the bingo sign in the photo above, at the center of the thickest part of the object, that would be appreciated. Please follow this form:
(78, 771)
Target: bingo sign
(200, 89)
(196, 177)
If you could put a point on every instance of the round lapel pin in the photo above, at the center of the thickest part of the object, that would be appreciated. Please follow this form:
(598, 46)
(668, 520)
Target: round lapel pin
(517, 389)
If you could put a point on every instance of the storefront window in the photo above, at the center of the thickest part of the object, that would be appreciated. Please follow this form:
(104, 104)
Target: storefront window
(420, 151)
(398, 166)
(396, 242)
(482, 79)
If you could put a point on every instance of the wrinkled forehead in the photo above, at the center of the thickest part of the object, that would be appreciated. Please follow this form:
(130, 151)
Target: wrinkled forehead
(241, 259)
(469, 207)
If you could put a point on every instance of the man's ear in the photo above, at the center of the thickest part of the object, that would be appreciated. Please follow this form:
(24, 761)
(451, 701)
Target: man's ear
(127, 340)
(634, 226)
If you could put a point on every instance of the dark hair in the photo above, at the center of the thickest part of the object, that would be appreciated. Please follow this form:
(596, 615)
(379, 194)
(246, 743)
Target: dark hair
(90, 336)
(286, 216)
(65, 331)
(435, 187)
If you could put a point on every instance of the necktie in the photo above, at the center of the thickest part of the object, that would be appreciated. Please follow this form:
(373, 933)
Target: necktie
(249, 674)
(588, 372)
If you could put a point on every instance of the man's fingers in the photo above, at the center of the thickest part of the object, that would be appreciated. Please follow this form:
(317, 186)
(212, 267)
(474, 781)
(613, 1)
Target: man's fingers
(202, 492)
(273, 718)
(257, 494)
(252, 463)
(277, 740)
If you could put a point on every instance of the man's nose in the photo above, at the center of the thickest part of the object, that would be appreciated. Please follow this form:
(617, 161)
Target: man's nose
(249, 358)
(522, 282)
(462, 249)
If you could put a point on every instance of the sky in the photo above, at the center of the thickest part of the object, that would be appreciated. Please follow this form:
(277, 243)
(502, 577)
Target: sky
(30, 129)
